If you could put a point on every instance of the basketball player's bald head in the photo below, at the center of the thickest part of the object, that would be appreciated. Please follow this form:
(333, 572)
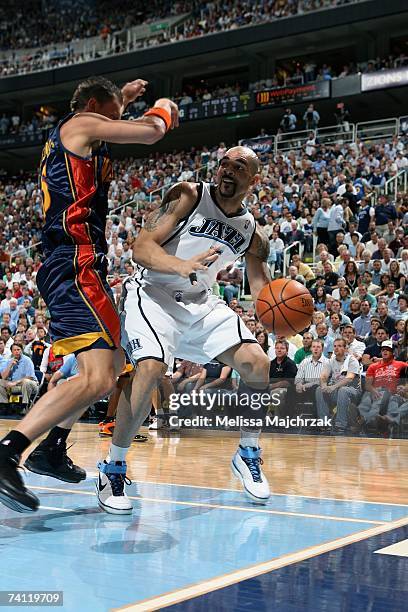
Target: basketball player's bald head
(245, 155)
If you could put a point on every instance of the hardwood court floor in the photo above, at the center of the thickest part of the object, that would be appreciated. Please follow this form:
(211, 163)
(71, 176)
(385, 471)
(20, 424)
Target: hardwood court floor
(194, 542)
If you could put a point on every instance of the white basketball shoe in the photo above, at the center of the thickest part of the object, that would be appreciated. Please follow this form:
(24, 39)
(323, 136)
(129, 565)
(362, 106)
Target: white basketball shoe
(110, 487)
(246, 465)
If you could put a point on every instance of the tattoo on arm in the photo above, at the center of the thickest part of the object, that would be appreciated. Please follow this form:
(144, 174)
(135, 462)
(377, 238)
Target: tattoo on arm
(167, 207)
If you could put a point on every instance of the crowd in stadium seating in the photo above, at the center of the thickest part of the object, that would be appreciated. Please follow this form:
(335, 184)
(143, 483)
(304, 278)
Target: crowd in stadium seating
(80, 20)
(67, 21)
(335, 192)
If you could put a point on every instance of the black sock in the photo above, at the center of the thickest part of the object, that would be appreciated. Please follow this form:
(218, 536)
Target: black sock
(57, 437)
(13, 445)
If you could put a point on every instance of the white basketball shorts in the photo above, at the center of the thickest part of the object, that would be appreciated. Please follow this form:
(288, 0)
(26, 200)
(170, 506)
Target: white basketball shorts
(156, 326)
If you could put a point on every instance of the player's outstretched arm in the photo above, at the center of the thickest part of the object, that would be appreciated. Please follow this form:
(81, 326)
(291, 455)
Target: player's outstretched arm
(256, 263)
(177, 204)
(151, 127)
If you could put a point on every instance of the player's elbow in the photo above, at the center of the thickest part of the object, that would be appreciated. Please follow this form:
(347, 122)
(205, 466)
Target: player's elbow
(139, 252)
(156, 133)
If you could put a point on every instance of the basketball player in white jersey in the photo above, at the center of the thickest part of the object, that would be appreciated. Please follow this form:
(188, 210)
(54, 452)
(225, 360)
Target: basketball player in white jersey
(168, 309)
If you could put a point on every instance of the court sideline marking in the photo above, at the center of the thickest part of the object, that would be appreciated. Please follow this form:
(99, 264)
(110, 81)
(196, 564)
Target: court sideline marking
(201, 588)
(338, 499)
(225, 507)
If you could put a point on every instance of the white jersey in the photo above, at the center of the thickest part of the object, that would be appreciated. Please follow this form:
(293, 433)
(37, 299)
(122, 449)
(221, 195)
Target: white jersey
(207, 225)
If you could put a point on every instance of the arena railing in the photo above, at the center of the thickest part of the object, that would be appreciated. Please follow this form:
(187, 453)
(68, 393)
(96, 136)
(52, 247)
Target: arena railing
(27, 249)
(286, 251)
(161, 190)
(377, 130)
(291, 141)
(135, 203)
(395, 183)
(328, 135)
(341, 133)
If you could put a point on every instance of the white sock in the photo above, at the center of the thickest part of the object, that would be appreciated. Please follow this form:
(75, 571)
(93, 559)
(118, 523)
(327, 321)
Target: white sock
(250, 438)
(116, 453)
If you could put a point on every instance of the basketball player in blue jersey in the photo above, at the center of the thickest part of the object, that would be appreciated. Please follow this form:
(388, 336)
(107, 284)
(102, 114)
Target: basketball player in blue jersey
(75, 175)
(168, 309)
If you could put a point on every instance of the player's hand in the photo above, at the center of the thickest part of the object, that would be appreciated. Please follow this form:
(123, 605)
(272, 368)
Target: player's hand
(199, 262)
(172, 108)
(133, 90)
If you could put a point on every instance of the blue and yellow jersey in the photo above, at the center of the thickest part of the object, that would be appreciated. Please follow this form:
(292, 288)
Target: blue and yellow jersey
(73, 278)
(75, 195)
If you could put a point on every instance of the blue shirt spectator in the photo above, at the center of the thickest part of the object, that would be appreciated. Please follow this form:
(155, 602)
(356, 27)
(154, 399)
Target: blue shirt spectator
(4, 359)
(22, 366)
(69, 367)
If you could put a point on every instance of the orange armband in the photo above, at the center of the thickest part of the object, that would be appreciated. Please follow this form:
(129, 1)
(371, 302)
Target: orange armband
(162, 113)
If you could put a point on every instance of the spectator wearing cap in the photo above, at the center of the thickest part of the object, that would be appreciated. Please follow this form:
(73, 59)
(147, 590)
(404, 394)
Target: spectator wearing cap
(381, 386)
(362, 323)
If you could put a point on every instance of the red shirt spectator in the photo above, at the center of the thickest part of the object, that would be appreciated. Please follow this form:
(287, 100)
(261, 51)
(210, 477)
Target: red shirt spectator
(386, 373)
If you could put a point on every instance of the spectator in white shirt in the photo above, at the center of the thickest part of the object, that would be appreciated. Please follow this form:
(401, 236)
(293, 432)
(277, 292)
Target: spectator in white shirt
(276, 247)
(354, 346)
(310, 369)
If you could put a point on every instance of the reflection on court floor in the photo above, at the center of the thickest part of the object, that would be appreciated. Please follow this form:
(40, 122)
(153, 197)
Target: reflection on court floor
(206, 549)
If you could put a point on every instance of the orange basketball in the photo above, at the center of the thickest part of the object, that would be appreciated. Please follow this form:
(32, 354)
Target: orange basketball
(285, 307)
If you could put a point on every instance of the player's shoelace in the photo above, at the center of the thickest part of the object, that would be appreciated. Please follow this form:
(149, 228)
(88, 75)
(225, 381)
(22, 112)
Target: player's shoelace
(117, 482)
(253, 467)
(60, 455)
